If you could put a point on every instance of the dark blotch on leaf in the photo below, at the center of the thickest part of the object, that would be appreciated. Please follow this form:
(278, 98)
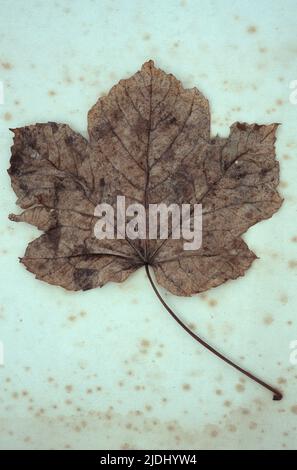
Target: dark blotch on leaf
(83, 278)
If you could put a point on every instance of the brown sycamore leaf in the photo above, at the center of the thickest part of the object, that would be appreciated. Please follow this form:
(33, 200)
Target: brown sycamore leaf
(149, 140)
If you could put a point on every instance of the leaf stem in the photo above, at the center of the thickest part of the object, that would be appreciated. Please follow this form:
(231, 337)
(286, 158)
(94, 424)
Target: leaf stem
(277, 395)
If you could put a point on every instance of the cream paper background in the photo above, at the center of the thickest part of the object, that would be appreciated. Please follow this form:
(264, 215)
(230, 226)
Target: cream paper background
(109, 369)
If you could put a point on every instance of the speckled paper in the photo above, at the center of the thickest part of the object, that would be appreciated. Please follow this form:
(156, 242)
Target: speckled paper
(109, 368)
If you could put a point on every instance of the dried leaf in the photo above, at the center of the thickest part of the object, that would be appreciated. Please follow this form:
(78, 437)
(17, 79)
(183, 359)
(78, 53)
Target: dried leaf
(149, 140)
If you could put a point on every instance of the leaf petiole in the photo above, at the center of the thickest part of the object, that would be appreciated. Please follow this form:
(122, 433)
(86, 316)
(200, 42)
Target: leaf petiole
(277, 395)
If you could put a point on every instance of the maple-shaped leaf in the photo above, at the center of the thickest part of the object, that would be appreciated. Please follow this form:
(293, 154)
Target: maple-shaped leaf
(149, 140)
